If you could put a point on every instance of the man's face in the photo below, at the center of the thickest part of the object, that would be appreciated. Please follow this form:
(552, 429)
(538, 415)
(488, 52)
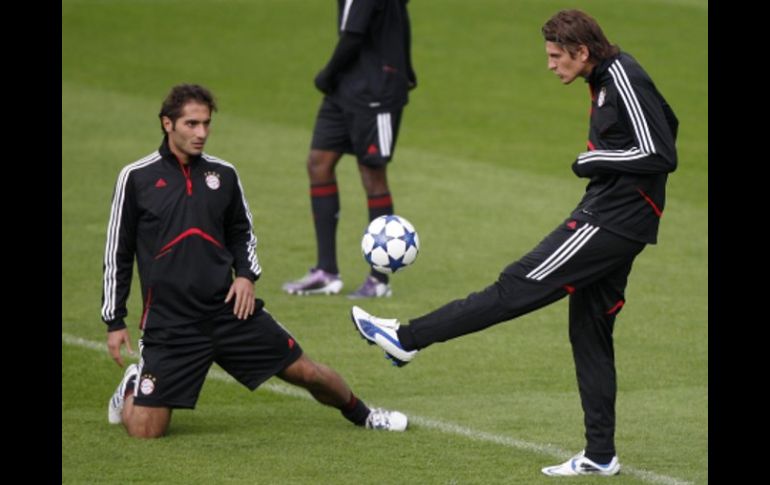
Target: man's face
(187, 136)
(564, 65)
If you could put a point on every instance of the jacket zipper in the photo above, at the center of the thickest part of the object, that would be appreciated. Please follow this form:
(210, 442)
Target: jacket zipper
(188, 180)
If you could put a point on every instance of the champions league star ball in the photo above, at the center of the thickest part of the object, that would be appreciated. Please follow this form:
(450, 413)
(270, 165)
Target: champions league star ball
(390, 243)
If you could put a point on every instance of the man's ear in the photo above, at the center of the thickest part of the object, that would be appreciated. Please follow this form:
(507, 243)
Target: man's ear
(583, 53)
(168, 125)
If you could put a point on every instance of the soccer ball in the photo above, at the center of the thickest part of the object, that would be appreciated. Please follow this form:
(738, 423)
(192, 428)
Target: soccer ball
(390, 243)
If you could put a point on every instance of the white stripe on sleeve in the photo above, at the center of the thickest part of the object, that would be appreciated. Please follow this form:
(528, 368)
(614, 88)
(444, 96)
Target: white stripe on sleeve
(113, 235)
(635, 113)
(251, 244)
(345, 12)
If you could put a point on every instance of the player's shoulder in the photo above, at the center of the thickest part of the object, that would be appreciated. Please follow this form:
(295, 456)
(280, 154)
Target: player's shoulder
(218, 164)
(631, 67)
(211, 159)
(142, 163)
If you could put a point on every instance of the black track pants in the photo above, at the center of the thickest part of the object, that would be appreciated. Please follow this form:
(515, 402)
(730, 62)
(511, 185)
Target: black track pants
(577, 259)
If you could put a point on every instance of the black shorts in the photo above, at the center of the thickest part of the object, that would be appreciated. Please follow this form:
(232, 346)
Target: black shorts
(175, 360)
(370, 136)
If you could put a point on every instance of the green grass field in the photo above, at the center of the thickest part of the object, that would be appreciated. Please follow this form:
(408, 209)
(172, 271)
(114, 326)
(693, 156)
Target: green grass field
(482, 169)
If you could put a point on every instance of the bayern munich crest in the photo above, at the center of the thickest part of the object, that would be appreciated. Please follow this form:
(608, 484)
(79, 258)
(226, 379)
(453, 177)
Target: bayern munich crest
(147, 386)
(212, 180)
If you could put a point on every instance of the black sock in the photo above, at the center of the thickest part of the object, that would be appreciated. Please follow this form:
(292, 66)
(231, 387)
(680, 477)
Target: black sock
(600, 458)
(379, 205)
(355, 411)
(325, 202)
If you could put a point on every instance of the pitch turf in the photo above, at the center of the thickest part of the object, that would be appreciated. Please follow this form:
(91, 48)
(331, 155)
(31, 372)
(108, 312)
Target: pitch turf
(482, 169)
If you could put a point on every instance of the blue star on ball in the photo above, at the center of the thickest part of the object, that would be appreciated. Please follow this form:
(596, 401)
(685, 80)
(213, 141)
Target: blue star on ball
(381, 240)
(395, 264)
(408, 238)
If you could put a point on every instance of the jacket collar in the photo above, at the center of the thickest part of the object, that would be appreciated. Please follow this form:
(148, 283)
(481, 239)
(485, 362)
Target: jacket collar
(600, 69)
(167, 154)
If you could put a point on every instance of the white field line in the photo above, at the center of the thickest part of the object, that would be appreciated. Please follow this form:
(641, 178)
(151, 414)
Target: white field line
(441, 426)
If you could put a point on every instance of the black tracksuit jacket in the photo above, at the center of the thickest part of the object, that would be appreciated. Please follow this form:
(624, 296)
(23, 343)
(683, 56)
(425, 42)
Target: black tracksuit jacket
(190, 229)
(631, 149)
(376, 73)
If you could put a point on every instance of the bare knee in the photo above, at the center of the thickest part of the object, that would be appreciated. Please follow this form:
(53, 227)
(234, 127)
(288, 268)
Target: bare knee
(302, 372)
(374, 179)
(144, 431)
(320, 166)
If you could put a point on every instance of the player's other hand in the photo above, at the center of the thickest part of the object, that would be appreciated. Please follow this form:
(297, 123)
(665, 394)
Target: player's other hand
(243, 291)
(115, 340)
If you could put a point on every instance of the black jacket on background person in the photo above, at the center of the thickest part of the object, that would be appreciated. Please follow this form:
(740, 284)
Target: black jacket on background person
(630, 151)
(190, 229)
(371, 67)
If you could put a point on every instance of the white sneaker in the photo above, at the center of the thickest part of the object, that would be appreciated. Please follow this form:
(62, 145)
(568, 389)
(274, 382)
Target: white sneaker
(388, 420)
(315, 282)
(371, 288)
(580, 465)
(118, 399)
(382, 331)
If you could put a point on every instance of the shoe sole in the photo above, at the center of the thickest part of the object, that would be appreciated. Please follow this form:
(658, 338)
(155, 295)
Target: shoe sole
(113, 417)
(353, 296)
(312, 292)
(332, 289)
(551, 473)
(396, 361)
(568, 470)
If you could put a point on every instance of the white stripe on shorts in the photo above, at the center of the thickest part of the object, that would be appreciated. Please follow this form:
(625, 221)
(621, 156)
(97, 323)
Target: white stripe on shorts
(384, 133)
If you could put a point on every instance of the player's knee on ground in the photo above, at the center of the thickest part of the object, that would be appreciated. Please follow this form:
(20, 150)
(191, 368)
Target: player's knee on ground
(146, 430)
(147, 422)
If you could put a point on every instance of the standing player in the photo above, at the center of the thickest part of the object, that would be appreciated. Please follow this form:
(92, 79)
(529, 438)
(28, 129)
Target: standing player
(365, 86)
(631, 150)
(182, 214)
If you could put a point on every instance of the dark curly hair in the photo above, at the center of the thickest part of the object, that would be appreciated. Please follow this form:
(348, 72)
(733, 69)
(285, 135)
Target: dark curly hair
(180, 95)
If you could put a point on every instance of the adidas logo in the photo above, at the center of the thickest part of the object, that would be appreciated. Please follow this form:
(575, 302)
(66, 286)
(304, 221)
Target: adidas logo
(160, 183)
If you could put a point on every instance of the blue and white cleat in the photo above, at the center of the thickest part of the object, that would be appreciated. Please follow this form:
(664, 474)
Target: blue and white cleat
(382, 331)
(580, 465)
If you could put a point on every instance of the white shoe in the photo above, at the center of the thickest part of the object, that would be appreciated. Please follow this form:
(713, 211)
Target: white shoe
(580, 465)
(388, 420)
(315, 282)
(371, 288)
(118, 399)
(382, 331)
